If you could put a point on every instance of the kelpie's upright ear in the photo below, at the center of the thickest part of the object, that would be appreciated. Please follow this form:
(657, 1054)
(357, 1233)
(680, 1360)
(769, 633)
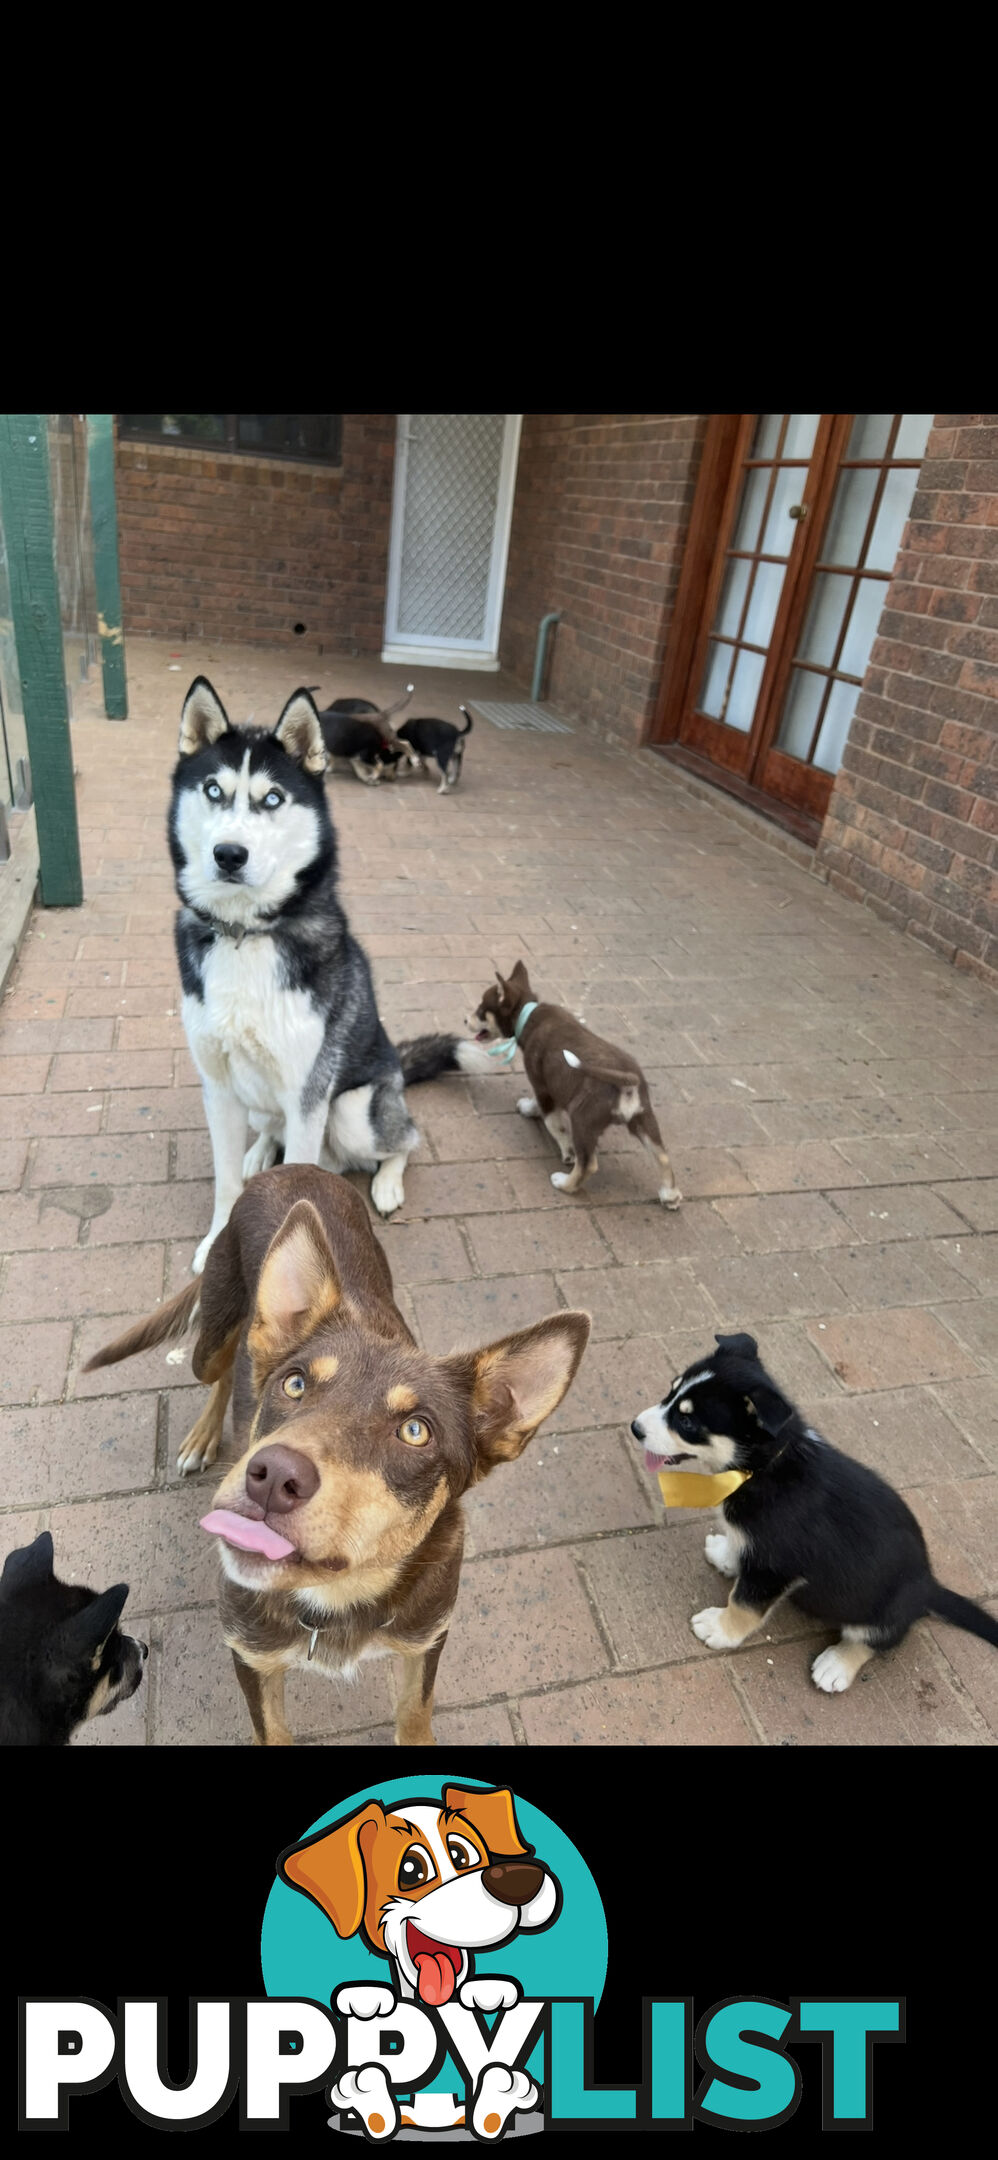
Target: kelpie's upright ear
(298, 1288)
(299, 732)
(517, 1383)
(203, 719)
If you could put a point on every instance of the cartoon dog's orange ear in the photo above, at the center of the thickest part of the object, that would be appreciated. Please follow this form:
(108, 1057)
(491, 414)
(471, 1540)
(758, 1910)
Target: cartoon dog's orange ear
(491, 1814)
(329, 1868)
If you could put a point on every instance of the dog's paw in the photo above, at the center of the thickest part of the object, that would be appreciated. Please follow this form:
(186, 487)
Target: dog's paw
(489, 1991)
(501, 2093)
(527, 1107)
(718, 1552)
(197, 1452)
(361, 2000)
(831, 1672)
(563, 1180)
(369, 2094)
(388, 1189)
(670, 1196)
(708, 1626)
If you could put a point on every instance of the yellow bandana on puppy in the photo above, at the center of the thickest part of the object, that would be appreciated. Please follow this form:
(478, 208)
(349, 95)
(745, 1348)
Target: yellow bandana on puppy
(687, 1488)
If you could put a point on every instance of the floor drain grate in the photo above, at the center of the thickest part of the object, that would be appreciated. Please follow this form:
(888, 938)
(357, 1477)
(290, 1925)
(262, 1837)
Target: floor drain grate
(520, 716)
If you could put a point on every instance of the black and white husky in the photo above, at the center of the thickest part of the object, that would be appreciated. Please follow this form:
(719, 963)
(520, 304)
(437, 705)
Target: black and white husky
(278, 1002)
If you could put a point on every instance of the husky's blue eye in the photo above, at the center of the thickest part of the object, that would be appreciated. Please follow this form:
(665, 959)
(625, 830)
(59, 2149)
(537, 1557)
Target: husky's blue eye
(213, 791)
(274, 800)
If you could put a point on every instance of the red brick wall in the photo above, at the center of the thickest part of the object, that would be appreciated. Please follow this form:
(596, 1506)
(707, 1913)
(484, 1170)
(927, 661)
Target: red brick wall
(912, 826)
(600, 517)
(242, 548)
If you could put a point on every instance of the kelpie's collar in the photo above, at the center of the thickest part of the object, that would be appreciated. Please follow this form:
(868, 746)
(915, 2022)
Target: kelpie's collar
(507, 1050)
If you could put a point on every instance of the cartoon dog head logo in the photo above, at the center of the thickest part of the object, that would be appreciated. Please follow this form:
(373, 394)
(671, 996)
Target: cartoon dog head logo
(428, 1884)
(425, 1891)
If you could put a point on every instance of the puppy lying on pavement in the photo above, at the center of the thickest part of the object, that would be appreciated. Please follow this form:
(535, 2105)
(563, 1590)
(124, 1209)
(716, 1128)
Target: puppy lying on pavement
(339, 1528)
(580, 1083)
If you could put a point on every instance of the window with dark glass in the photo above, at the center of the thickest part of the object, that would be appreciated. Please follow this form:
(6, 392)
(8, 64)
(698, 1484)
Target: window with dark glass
(312, 437)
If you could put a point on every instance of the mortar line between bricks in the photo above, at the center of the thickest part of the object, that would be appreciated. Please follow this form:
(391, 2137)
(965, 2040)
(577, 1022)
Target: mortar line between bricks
(599, 1623)
(964, 1693)
(744, 1705)
(516, 1721)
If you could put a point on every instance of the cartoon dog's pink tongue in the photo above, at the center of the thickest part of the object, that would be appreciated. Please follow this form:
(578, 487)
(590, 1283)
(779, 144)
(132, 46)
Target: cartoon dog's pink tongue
(249, 1536)
(437, 1967)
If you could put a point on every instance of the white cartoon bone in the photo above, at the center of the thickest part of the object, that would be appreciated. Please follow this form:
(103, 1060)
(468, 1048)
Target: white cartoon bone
(501, 2093)
(367, 2090)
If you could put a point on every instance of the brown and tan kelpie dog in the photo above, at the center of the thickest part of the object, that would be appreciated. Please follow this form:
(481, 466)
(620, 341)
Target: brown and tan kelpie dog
(340, 1528)
(580, 1083)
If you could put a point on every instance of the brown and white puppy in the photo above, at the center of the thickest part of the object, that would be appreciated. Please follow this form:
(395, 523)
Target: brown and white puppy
(580, 1083)
(340, 1529)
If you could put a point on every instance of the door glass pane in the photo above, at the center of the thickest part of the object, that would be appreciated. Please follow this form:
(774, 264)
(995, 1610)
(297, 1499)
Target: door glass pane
(763, 604)
(716, 672)
(780, 528)
(802, 428)
(850, 513)
(913, 434)
(800, 712)
(767, 435)
(729, 613)
(892, 517)
(868, 606)
(835, 726)
(870, 434)
(744, 690)
(746, 532)
(825, 615)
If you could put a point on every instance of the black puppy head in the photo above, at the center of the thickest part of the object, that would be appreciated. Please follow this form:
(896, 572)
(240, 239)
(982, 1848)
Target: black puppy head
(64, 1658)
(723, 1413)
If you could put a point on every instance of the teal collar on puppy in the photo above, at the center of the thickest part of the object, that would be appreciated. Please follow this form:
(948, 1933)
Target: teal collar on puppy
(507, 1050)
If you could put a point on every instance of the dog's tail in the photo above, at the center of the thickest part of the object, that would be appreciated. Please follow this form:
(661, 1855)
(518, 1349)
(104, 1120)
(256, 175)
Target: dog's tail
(427, 1055)
(466, 730)
(601, 1072)
(388, 712)
(961, 1612)
(174, 1318)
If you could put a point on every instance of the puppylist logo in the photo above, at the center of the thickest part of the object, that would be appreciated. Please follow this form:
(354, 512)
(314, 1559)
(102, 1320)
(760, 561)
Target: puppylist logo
(433, 1956)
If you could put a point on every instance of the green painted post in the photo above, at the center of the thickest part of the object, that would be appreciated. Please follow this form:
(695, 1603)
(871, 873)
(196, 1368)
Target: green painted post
(26, 507)
(104, 516)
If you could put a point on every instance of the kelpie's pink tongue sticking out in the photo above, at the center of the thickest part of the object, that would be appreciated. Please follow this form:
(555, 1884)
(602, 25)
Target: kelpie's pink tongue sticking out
(248, 1535)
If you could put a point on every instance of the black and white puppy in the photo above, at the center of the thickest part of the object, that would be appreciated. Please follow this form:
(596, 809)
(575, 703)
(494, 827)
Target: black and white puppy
(362, 734)
(440, 741)
(63, 1658)
(808, 1523)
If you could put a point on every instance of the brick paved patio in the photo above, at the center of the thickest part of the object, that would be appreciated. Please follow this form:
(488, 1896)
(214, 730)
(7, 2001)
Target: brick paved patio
(829, 1093)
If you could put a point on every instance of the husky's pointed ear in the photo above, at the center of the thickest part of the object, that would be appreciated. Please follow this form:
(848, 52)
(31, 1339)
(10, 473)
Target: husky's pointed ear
(299, 732)
(30, 1564)
(203, 719)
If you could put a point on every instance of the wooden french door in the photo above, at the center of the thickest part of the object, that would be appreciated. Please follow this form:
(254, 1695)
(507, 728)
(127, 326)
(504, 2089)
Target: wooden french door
(794, 537)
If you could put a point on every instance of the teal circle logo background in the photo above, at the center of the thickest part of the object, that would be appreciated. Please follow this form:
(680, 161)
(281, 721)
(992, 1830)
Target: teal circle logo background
(302, 1955)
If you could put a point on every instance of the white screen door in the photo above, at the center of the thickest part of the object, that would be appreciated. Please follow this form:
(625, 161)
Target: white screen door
(451, 509)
